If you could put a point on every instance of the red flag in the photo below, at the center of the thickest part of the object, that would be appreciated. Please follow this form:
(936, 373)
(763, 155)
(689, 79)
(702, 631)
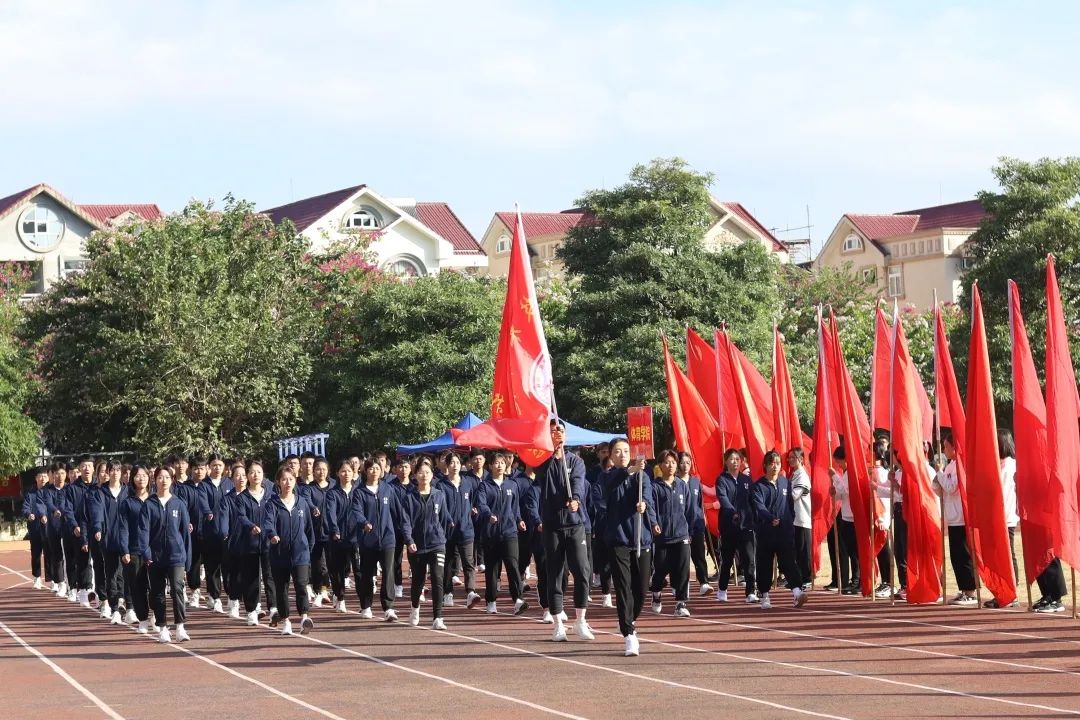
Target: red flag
(1062, 410)
(705, 371)
(1037, 504)
(521, 397)
(880, 369)
(920, 503)
(822, 505)
(728, 411)
(857, 441)
(787, 432)
(950, 410)
(757, 434)
(700, 435)
(986, 524)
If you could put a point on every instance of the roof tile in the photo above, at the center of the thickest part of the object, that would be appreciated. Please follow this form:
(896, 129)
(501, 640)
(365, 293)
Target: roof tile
(305, 213)
(543, 224)
(105, 214)
(441, 219)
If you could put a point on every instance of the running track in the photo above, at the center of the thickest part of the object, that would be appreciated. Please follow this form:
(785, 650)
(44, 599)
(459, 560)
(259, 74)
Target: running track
(836, 658)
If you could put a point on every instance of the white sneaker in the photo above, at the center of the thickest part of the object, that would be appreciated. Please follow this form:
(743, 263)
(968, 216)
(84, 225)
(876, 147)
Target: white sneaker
(605, 601)
(491, 610)
(547, 617)
(286, 627)
(457, 581)
(365, 614)
(448, 600)
(399, 592)
(705, 589)
(181, 634)
(595, 582)
(632, 646)
(37, 583)
(766, 602)
(414, 616)
(520, 606)
(560, 633)
(657, 606)
(438, 624)
(273, 612)
(258, 609)
(164, 636)
(234, 609)
(562, 616)
(318, 599)
(752, 598)
(306, 625)
(423, 595)
(117, 618)
(310, 594)
(481, 567)
(106, 611)
(253, 618)
(799, 596)
(187, 596)
(218, 607)
(721, 596)
(195, 599)
(582, 630)
(144, 627)
(131, 617)
(79, 597)
(529, 573)
(471, 599)
(348, 582)
(340, 607)
(681, 610)
(390, 616)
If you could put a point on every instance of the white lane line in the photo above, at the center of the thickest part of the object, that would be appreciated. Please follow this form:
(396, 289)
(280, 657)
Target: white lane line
(109, 712)
(234, 673)
(11, 587)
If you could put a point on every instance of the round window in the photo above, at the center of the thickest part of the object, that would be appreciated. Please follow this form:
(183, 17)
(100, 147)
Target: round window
(40, 229)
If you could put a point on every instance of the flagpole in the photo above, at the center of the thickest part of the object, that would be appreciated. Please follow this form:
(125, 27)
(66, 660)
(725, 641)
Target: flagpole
(719, 388)
(968, 530)
(937, 449)
(892, 487)
(1012, 326)
(829, 448)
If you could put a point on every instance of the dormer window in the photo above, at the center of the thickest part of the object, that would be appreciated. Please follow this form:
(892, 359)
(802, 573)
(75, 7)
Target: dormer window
(852, 243)
(502, 244)
(363, 219)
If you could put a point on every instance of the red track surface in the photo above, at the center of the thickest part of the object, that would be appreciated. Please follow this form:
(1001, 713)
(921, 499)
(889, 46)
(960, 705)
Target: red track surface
(837, 657)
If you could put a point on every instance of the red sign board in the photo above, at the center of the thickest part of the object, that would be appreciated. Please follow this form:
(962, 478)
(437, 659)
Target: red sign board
(10, 486)
(639, 431)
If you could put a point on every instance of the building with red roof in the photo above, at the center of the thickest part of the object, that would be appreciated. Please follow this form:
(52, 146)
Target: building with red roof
(546, 231)
(908, 255)
(409, 237)
(45, 231)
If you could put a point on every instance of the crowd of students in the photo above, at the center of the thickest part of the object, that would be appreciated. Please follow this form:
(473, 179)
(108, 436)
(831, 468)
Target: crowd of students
(124, 539)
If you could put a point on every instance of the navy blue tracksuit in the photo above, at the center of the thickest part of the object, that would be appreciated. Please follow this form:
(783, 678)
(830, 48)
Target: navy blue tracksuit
(290, 555)
(378, 509)
(76, 547)
(460, 539)
(499, 505)
(125, 541)
(252, 548)
(630, 570)
(33, 504)
(425, 523)
(671, 557)
(736, 529)
(565, 544)
(772, 503)
(165, 546)
(212, 505)
(101, 511)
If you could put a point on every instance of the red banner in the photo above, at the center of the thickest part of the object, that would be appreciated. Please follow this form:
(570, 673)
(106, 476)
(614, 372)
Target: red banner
(10, 486)
(639, 430)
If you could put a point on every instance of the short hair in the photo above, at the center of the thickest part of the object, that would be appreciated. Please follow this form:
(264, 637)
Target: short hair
(769, 458)
(477, 452)
(252, 463)
(85, 458)
(445, 457)
(41, 470)
(282, 469)
(557, 423)
(291, 456)
(199, 460)
(214, 457)
(320, 460)
(798, 452)
(617, 441)
(1006, 444)
(729, 452)
(506, 456)
(368, 464)
(307, 455)
(422, 461)
(839, 454)
(344, 462)
(665, 454)
(948, 438)
(171, 459)
(380, 455)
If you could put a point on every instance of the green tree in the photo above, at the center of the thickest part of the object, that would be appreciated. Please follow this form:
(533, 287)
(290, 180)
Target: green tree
(400, 360)
(640, 268)
(19, 433)
(185, 333)
(1035, 213)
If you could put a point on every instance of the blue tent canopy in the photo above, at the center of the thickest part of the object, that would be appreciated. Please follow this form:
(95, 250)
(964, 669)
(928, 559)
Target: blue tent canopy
(444, 441)
(575, 437)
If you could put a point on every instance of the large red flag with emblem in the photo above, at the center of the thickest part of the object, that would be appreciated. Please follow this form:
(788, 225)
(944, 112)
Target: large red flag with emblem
(1062, 409)
(986, 523)
(521, 397)
(920, 503)
(1036, 502)
(696, 431)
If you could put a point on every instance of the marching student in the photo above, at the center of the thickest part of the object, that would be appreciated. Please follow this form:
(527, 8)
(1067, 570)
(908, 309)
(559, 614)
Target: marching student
(306, 471)
(498, 504)
(671, 546)
(287, 527)
(600, 558)
(97, 558)
(695, 519)
(630, 526)
(251, 542)
(76, 545)
(402, 477)
(424, 525)
(314, 492)
(165, 547)
(534, 526)
(882, 489)
(460, 492)
(1007, 455)
(525, 551)
(212, 492)
(125, 542)
(1052, 588)
(736, 526)
(948, 486)
(375, 515)
(800, 495)
(228, 529)
(562, 496)
(774, 513)
(474, 469)
(850, 574)
(341, 529)
(53, 497)
(103, 504)
(189, 492)
(37, 517)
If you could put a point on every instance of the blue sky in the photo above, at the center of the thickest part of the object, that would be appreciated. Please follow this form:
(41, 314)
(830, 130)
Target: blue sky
(860, 107)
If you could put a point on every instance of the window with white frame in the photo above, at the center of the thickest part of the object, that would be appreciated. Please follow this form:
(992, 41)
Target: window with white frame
(40, 229)
(922, 247)
(896, 281)
(852, 243)
(502, 245)
(71, 265)
(363, 219)
(869, 275)
(404, 266)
